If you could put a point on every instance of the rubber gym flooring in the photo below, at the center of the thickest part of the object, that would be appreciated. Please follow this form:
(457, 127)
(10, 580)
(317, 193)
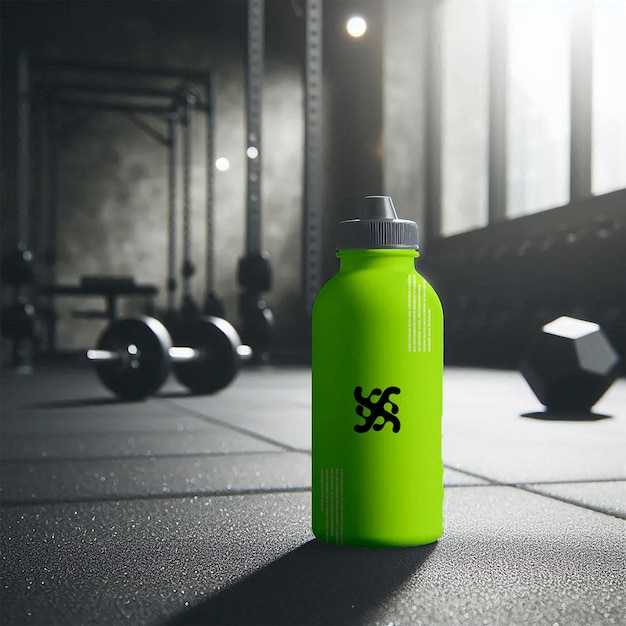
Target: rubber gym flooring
(195, 510)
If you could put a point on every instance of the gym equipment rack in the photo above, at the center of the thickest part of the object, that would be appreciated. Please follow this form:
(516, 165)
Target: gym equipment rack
(49, 88)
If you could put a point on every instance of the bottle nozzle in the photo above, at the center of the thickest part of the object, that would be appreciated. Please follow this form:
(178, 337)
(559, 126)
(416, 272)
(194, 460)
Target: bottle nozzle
(379, 208)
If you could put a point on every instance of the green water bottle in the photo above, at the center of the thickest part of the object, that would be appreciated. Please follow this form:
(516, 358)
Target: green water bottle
(377, 390)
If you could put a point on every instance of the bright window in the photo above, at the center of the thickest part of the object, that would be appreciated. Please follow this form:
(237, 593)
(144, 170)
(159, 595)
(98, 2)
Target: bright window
(531, 92)
(608, 144)
(538, 124)
(464, 121)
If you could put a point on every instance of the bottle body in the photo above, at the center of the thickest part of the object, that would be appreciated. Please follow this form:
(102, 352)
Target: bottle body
(377, 371)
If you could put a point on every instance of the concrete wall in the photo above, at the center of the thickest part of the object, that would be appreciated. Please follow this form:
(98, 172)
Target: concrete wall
(404, 100)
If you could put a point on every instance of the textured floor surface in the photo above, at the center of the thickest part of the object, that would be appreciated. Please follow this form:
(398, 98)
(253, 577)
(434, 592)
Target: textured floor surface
(195, 510)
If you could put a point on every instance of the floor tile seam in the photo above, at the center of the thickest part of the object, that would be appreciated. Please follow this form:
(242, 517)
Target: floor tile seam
(571, 501)
(525, 487)
(139, 457)
(96, 433)
(218, 493)
(229, 426)
(490, 481)
(470, 485)
(584, 481)
(494, 482)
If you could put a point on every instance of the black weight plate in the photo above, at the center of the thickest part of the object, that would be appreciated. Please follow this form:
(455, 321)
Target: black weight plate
(218, 363)
(137, 378)
(255, 273)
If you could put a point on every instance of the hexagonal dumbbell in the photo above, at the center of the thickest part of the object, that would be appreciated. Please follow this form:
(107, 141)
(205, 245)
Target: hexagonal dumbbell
(570, 364)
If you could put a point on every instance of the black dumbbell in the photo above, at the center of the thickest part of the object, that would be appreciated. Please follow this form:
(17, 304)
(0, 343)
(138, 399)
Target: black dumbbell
(134, 356)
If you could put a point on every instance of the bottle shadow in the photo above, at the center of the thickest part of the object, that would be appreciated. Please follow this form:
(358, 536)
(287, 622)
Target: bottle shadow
(313, 584)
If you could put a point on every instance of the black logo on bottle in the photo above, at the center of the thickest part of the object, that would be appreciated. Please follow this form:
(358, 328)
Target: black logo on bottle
(372, 407)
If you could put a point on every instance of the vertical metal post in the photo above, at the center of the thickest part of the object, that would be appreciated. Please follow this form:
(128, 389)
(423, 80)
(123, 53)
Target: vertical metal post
(23, 148)
(52, 158)
(188, 267)
(50, 242)
(212, 303)
(40, 213)
(172, 212)
(432, 144)
(581, 85)
(498, 88)
(254, 273)
(312, 222)
(254, 90)
(210, 186)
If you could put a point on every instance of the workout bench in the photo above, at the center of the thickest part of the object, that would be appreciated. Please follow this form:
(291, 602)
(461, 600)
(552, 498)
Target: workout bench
(111, 288)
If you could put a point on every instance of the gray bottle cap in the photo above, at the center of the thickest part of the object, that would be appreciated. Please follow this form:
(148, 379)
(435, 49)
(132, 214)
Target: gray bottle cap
(378, 227)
